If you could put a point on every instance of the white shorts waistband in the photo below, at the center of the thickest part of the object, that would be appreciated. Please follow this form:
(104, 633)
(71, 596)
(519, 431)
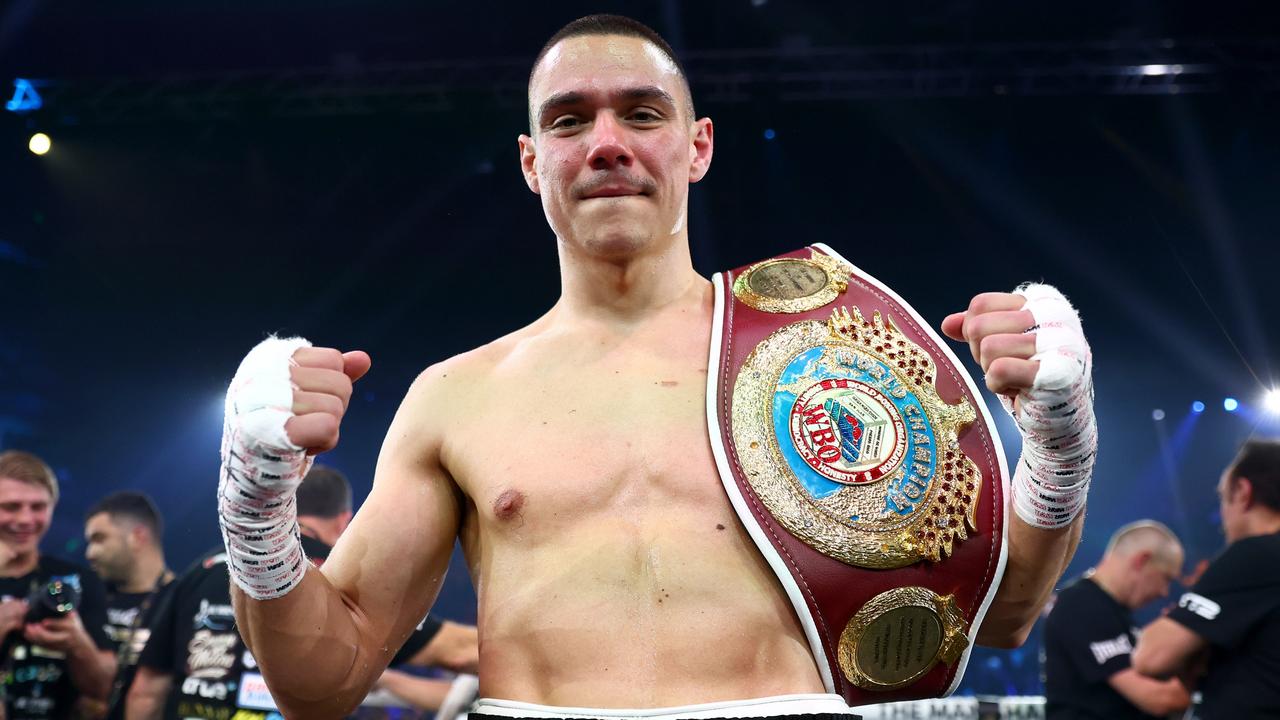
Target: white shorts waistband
(757, 707)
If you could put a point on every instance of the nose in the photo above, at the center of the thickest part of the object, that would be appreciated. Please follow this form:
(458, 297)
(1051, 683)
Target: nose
(609, 147)
(25, 518)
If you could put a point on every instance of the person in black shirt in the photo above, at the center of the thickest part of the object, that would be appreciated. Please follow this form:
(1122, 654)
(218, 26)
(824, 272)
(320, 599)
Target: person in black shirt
(53, 664)
(123, 544)
(197, 666)
(1230, 618)
(1089, 634)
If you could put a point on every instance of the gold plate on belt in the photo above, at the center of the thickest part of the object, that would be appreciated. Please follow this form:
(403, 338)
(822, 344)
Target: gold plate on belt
(842, 435)
(898, 636)
(792, 285)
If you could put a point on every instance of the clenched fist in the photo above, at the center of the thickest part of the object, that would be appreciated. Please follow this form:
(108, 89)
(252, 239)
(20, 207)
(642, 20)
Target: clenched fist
(995, 327)
(322, 383)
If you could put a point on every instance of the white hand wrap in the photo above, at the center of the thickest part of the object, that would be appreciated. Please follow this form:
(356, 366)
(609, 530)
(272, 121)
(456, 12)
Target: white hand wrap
(261, 469)
(1055, 417)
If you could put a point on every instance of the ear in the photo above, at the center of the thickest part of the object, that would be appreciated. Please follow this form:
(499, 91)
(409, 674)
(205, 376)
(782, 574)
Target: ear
(1243, 492)
(701, 147)
(528, 164)
(1140, 559)
(138, 534)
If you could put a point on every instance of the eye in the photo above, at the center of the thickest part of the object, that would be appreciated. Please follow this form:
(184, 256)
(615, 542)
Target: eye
(645, 115)
(565, 122)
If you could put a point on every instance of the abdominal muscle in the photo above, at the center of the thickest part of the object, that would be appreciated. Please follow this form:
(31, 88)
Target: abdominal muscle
(662, 610)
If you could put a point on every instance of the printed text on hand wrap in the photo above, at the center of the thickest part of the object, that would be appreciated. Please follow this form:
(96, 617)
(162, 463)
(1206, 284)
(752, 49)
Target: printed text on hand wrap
(261, 470)
(1055, 417)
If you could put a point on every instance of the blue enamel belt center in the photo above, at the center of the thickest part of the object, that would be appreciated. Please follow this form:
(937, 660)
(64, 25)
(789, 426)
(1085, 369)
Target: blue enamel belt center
(841, 418)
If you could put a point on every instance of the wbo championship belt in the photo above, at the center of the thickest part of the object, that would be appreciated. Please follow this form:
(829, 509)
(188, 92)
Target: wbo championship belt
(864, 464)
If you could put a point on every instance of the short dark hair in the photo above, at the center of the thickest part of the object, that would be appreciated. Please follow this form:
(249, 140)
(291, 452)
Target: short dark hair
(605, 24)
(324, 493)
(134, 506)
(1259, 461)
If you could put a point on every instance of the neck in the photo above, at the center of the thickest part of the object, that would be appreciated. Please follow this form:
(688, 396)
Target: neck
(20, 564)
(1108, 577)
(147, 573)
(625, 288)
(1262, 522)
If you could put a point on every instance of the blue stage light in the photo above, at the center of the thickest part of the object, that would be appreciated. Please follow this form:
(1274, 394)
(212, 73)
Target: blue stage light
(769, 134)
(1157, 414)
(25, 98)
(1230, 404)
(1197, 407)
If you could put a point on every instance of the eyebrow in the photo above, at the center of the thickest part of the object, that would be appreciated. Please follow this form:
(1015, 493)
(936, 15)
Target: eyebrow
(573, 97)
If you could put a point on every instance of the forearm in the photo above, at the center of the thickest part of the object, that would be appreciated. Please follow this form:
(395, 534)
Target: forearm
(90, 708)
(147, 694)
(309, 646)
(455, 647)
(91, 670)
(1170, 696)
(1037, 558)
(1167, 648)
(143, 707)
(1154, 697)
(422, 693)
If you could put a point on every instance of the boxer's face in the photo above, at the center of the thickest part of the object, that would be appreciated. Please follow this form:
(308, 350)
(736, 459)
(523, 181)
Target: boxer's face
(25, 510)
(613, 148)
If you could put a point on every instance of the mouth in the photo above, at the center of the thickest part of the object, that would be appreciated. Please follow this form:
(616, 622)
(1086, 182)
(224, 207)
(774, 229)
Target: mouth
(20, 538)
(613, 191)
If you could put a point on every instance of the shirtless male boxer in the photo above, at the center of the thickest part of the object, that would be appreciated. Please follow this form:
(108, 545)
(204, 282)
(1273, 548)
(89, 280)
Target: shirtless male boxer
(610, 569)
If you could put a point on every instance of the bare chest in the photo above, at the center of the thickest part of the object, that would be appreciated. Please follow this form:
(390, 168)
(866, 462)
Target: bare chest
(585, 444)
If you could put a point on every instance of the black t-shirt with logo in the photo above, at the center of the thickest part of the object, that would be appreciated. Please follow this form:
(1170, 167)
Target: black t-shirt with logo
(1235, 607)
(129, 616)
(1088, 637)
(37, 681)
(194, 638)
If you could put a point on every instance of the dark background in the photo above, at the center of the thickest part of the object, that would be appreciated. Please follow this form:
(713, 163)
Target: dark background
(348, 171)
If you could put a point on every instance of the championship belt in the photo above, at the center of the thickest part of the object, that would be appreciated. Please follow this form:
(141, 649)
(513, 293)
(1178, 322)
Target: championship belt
(864, 464)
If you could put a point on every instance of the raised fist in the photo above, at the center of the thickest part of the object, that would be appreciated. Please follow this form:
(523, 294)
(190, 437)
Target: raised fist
(322, 382)
(995, 327)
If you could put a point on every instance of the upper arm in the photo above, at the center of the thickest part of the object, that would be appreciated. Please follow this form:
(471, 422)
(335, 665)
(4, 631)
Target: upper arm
(93, 610)
(150, 682)
(1154, 697)
(147, 693)
(390, 562)
(1165, 648)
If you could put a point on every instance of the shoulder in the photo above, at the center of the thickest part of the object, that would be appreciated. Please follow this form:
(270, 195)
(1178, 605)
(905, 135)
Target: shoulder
(1258, 546)
(1246, 557)
(438, 390)
(210, 563)
(1079, 592)
(50, 566)
(1080, 601)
